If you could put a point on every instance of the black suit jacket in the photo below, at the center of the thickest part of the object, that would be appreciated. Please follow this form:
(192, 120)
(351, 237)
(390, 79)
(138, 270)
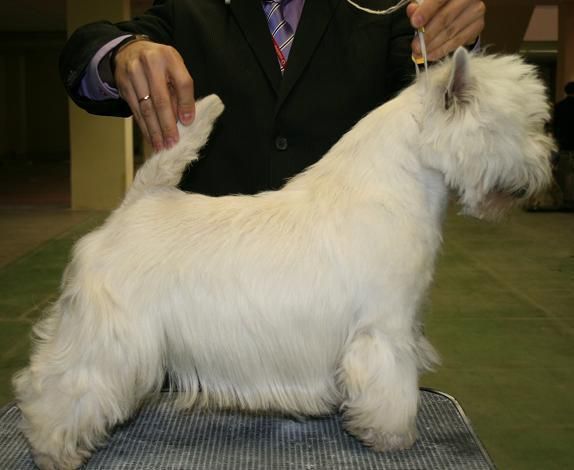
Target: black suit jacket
(343, 63)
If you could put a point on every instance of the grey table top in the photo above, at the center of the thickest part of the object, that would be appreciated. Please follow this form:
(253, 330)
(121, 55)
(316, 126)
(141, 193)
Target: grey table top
(162, 437)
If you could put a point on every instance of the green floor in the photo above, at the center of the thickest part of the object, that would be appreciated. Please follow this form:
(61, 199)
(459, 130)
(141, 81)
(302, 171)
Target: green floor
(501, 314)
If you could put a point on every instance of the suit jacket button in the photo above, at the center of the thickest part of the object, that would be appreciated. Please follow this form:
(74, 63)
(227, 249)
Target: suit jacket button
(281, 143)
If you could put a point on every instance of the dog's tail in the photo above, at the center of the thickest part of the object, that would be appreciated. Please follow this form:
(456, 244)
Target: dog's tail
(166, 167)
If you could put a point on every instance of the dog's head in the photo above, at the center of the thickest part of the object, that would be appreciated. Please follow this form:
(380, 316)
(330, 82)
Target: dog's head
(483, 127)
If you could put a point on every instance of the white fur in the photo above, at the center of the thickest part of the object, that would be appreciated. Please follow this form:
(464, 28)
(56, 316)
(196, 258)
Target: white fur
(302, 300)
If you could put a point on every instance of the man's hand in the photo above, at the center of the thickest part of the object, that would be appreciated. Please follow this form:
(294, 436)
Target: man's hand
(145, 68)
(448, 24)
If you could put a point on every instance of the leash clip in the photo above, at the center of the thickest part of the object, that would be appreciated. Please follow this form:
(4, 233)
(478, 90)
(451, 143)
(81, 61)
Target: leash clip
(424, 59)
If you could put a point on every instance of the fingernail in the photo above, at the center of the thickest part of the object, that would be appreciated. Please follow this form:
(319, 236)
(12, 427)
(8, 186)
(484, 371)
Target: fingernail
(169, 143)
(186, 117)
(417, 21)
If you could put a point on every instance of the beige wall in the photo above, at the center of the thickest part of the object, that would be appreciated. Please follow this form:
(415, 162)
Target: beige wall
(101, 148)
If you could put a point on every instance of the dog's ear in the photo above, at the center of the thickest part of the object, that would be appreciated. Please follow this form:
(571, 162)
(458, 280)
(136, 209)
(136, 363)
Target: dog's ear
(459, 78)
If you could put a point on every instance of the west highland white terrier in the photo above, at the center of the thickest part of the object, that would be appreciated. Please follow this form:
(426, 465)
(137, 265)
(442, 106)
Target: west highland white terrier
(303, 300)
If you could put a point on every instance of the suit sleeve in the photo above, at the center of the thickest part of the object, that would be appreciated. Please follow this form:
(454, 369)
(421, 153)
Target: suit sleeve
(401, 70)
(84, 43)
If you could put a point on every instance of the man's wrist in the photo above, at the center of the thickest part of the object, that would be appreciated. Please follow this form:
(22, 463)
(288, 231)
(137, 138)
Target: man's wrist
(106, 67)
(91, 85)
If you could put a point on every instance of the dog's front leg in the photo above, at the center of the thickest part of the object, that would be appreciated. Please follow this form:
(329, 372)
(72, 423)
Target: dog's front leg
(91, 368)
(378, 375)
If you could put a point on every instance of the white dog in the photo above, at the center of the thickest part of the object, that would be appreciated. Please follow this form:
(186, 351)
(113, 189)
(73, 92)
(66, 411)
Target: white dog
(303, 300)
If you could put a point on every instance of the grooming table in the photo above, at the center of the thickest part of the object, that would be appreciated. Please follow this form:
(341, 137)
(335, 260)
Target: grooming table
(161, 438)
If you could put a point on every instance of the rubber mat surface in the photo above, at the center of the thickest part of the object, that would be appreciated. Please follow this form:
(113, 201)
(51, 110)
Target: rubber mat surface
(161, 437)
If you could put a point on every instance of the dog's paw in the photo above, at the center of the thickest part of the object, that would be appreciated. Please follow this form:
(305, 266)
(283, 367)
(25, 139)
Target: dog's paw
(47, 462)
(383, 441)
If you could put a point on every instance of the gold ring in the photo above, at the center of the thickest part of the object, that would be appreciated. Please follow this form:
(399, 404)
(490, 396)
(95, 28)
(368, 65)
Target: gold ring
(145, 98)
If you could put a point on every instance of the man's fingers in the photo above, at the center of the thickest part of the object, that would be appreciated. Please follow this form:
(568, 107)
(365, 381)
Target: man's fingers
(161, 98)
(453, 24)
(133, 86)
(182, 85)
(447, 18)
(146, 68)
(173, 98)
(129, 96)
(472, 31)
(453, 18)
(145, 107)
(149, 116)
(464, 30)
(421, 14)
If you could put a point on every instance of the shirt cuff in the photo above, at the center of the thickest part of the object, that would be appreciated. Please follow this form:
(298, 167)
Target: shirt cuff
(92, 86)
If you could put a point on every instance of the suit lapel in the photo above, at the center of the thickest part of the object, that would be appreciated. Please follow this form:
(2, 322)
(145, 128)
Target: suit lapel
(315, 17)
(251, 19)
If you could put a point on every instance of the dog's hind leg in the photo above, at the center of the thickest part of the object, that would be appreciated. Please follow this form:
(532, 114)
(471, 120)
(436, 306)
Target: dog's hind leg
(91, 368)
(378, 377)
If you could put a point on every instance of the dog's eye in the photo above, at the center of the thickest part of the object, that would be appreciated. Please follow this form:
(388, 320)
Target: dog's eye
(519, 193)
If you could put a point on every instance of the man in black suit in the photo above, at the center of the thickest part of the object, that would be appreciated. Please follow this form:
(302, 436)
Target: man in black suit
(343, 62)
(564, 120)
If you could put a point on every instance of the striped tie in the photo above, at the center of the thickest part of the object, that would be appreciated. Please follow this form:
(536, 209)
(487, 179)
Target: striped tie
(280, 30)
